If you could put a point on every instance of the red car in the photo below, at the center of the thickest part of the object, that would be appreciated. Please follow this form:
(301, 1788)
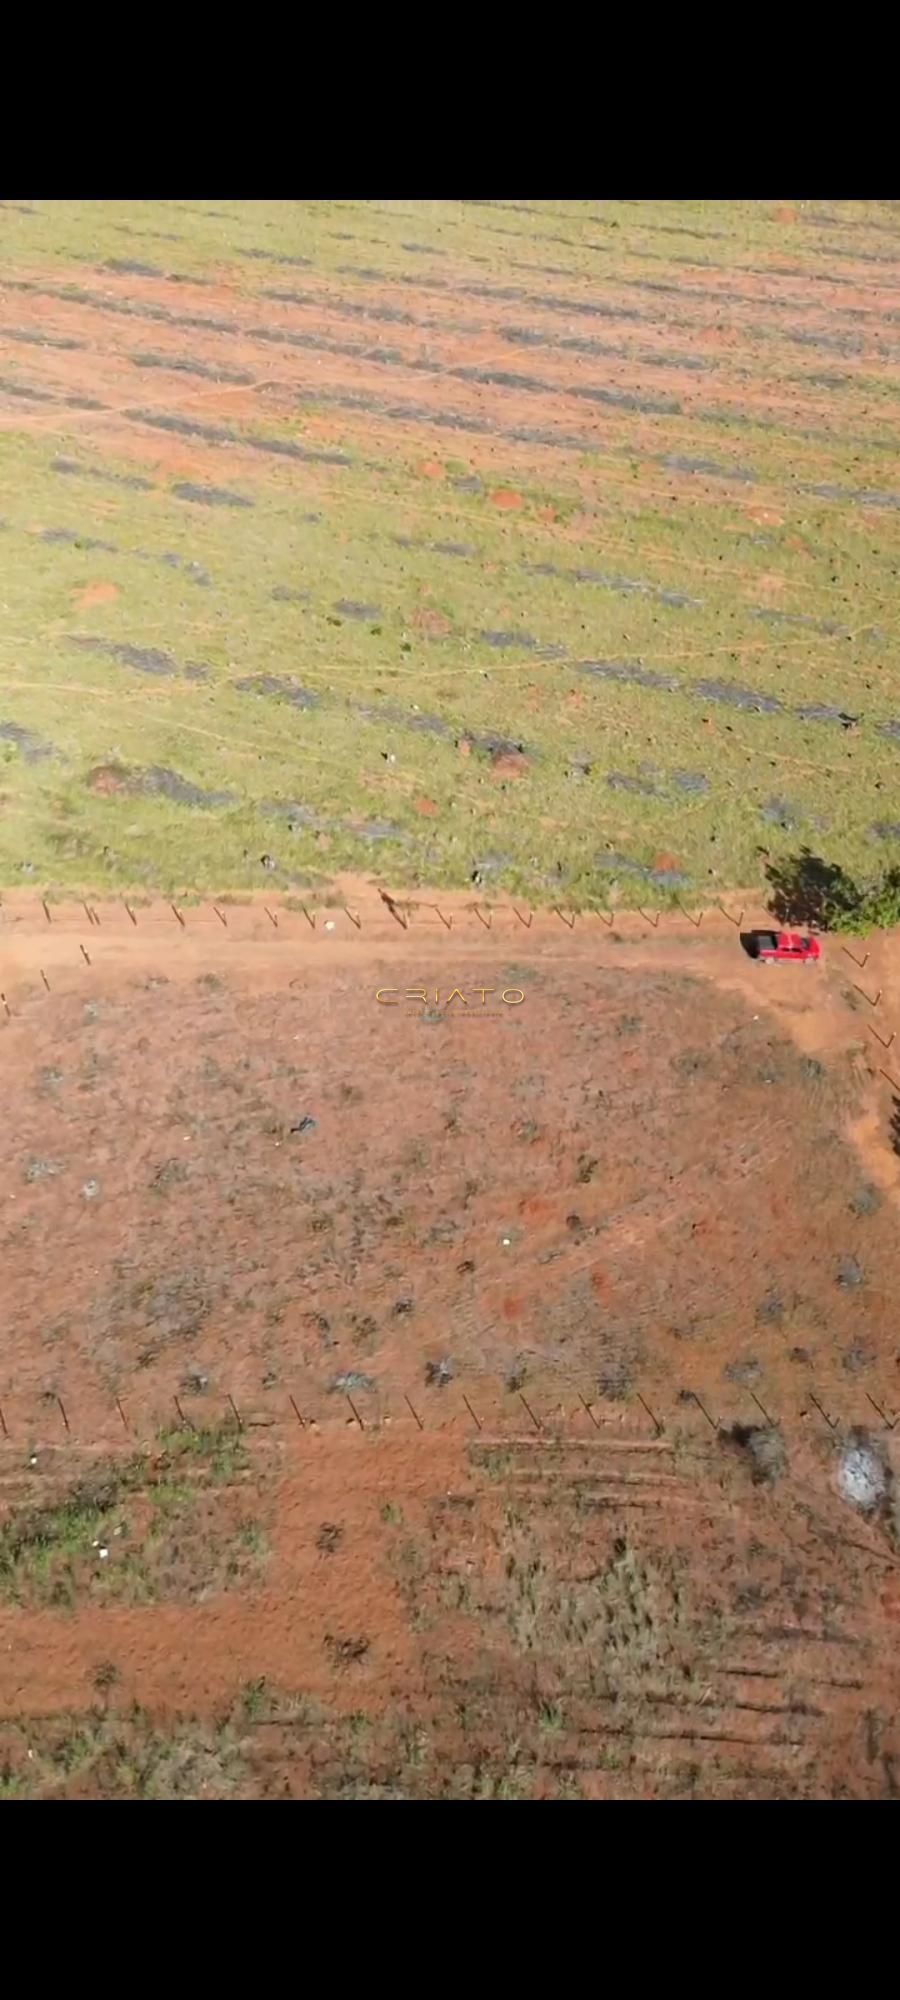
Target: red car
(784, 946)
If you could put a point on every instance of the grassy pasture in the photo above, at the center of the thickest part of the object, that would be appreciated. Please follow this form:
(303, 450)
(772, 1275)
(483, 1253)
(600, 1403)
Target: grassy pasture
(552, 548)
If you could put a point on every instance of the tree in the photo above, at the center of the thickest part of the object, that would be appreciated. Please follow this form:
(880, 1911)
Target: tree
(881, 902)
(821, 895)
(807, 890)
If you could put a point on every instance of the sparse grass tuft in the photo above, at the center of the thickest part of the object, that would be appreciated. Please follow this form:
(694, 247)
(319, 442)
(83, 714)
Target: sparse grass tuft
(136, 1529)
(255, 1699)
(551, 1718)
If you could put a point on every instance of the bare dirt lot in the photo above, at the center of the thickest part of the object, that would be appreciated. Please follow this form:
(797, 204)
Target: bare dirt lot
(482, 1396)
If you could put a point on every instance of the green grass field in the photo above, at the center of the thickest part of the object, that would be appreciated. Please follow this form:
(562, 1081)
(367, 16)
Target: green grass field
(547, 547)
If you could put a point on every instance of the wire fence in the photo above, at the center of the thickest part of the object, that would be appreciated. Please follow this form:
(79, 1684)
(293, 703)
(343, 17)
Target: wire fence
(252, 922)
(486, 1406)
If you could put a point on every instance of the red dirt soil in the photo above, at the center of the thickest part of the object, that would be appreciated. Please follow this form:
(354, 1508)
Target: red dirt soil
(493, 1317)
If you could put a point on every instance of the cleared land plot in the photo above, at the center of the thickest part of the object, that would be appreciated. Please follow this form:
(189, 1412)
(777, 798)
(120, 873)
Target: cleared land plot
(332, 1192)
(608, 1261)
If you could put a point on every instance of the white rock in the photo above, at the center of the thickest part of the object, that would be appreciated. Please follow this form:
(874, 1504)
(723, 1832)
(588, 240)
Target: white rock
(861, 1477)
